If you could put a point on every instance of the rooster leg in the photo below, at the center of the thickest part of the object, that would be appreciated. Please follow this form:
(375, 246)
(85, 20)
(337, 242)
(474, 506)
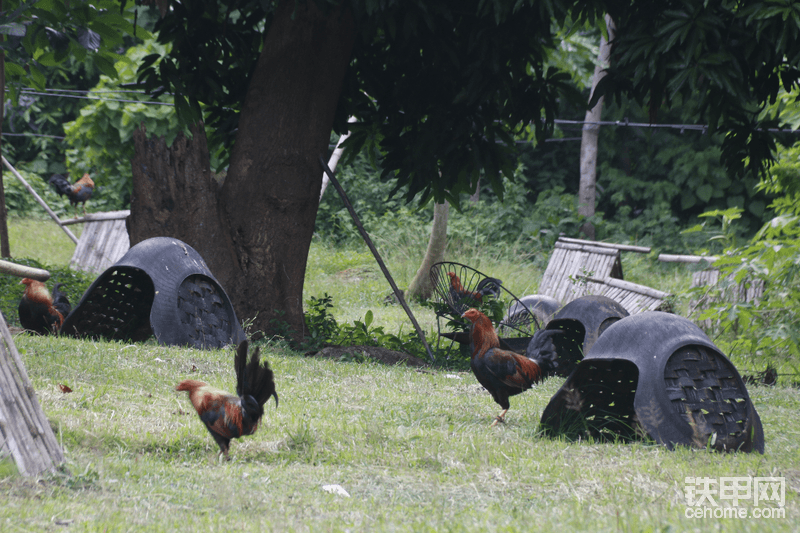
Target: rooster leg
(500, 418)
(223, 453)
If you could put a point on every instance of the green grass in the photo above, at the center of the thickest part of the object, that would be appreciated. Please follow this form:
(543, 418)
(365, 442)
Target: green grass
(411, 447)
(42, 240)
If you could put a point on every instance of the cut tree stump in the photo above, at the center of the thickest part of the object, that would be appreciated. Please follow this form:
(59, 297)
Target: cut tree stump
(25, 433)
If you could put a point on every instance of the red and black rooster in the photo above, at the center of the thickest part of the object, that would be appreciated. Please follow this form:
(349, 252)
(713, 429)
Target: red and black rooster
(78, 193)
(487, 286)
(40, 312)
(229, 416)
(502, 372)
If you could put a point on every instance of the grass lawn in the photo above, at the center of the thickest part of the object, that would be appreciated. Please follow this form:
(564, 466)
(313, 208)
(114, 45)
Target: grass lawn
(412, 448)
(26, 236)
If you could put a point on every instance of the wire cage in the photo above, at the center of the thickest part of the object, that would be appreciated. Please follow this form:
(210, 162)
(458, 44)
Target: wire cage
(458, 287)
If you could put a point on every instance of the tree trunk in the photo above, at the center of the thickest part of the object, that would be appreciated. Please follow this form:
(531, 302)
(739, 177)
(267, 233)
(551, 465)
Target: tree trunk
(591, 133)
(175, 195)
(421, 286)
(255, 232)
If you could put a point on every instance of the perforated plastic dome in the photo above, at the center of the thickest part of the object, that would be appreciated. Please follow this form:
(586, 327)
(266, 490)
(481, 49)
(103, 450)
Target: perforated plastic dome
(659, 375)
(583, 320)
(161, 287)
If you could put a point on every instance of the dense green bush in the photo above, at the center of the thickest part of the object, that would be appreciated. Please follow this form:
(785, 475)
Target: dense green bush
(523, 220)
(765, 331)
(20, 202)
(100, 139)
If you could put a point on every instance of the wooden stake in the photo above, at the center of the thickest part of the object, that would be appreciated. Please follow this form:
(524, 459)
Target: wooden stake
(22, 271)
(398, 294)
(24, 429)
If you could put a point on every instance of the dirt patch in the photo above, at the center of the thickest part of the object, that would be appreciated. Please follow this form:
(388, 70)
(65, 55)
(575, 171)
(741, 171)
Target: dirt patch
(360, 352)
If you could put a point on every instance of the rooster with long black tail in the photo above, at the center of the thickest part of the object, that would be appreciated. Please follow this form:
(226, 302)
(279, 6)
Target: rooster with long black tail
(229, 416)
(78, 192)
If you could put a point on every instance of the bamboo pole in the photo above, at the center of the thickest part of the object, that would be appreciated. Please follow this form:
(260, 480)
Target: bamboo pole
(622, 247)
(96, 217)
(397, 292)
(628, 286)
(334, 160)
(21, 271)
(667, 258)
(24, 428)
(39, 199)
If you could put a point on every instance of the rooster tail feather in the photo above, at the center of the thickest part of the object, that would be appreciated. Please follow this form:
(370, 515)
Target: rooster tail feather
(240, 364)
(60, 184)
(60, 301)
(264, 386)
(254, 378)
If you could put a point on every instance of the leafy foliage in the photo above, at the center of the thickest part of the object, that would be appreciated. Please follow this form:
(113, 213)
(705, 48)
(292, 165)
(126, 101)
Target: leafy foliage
(449, 87)
(54, 46)
(46, 34)
(447, 82)
(213, 51)
(766, 330)
(720, 61)
(324, 330)
(441, 88)
(101, 137)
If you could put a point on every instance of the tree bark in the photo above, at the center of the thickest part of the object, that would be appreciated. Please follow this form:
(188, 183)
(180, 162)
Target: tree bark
(271, 194)
(589, 138)
(176, 195)
(255, 232)
(421, 286)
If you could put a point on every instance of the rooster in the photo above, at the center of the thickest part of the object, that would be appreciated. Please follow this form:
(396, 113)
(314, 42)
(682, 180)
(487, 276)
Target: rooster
(40, 312)
(229, 416)
(79, 192)
(502, 372)
(60, 301)
(487, 286)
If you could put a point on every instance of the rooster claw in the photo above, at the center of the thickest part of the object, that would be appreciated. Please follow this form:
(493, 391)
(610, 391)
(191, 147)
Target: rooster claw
(498, 419)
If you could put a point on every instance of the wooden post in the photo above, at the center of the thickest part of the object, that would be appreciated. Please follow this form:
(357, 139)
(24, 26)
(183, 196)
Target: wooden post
(39, 199)
(24, 429)
(397, 292)
(21, 271)
(5, 248)
(334, 160)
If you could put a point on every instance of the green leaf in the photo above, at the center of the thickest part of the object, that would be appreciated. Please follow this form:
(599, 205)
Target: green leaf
(37, 78)
(13, 70)
(105, 65)
(688, 200)
(48, 59)
(704, 192)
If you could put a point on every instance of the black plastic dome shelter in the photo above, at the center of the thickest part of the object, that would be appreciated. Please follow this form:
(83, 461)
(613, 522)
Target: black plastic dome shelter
(656, 375)
(542, 307)
(160, 287)
(583, 320)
